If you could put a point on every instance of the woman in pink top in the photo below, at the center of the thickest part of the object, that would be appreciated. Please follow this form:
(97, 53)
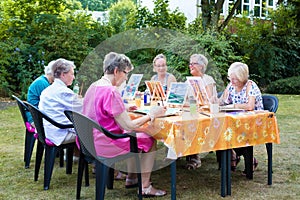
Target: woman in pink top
(103, 103)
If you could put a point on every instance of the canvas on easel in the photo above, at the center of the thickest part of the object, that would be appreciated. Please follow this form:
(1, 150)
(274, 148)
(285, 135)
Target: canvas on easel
(132, 86)
(156, 90)
(177, 94)
(199, 90)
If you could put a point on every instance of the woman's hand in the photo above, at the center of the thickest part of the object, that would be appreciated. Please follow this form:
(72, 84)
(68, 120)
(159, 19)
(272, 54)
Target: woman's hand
(157, 111)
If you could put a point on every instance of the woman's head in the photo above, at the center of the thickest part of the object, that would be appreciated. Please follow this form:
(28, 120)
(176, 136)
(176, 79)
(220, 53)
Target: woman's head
(238, 71)
(160, 63)
(48, 71)
(198, 64)
(118, 65)
(64, 69)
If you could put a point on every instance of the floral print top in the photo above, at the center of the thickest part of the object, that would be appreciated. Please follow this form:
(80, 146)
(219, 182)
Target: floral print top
(241, 97)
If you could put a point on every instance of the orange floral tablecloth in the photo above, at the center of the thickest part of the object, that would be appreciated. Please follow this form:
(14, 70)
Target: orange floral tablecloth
(186, 134)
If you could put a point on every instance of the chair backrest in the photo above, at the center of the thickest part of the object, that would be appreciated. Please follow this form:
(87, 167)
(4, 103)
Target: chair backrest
(84, 127)
(82, 148)
(22, 107)
(38, 117)
(270, 102)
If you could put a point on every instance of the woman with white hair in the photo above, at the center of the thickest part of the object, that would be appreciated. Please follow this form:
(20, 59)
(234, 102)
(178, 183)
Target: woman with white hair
(57, 98)
(241, 92)
(244, 94)
(198, 66)
(37, 86)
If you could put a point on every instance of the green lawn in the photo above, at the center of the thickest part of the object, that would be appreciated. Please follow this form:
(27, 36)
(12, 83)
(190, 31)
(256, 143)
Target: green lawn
(16, 182)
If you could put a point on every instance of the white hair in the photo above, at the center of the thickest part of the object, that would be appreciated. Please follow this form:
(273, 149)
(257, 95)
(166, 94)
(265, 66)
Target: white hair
(48, 68)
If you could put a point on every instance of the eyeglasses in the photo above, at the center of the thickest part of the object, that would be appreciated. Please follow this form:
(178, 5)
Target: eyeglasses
(232, 79)
(192, 64)
(126, 73)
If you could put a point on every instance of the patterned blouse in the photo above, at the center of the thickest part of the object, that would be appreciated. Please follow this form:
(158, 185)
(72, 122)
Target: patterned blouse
(241, 97)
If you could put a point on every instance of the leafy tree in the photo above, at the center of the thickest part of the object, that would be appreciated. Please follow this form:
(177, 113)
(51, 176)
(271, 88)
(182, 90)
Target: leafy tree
(97, 5)
(161, 17)
(120, 13)
(31, 41)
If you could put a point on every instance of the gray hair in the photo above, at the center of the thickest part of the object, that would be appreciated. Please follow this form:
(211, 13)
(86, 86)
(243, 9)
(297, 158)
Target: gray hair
(114, 60)
(48, 68)
(240, 70)
(62, 65)
(201, 60)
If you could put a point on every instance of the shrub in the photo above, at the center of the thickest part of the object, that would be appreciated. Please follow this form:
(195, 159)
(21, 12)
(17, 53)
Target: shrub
(285, 86)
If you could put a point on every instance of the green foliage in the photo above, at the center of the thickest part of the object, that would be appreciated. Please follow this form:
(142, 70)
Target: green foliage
(264, 51)
(285, 86)
(120, 13)
(161, 17)
(45, 35)
(97, 5)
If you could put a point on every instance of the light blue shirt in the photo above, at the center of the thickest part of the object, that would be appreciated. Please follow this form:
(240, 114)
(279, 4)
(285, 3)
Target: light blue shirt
(54, 100)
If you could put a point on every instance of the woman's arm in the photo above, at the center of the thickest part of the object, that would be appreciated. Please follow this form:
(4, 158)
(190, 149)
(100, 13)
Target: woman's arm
(170, 80)
(211, 91)
(127, 124)
(247, 106)
(250, 105)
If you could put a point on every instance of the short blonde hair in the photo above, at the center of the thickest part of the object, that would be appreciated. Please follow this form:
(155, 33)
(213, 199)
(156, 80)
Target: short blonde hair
(201, 60)
(240, 70)
(159, 56)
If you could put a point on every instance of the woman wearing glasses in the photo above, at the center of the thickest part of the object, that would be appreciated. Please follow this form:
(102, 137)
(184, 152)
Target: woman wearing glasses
(244, 94)
(160, 67)
(198, 66)
(103, 103)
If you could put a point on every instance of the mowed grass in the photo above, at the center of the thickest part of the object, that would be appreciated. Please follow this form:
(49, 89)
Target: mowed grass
(16, 182)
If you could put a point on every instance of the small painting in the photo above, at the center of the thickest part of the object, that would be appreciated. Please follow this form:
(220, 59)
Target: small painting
(132, 86)
(177, 94)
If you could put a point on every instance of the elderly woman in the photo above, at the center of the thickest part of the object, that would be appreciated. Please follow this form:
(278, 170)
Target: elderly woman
(198, 66)
(57, 98)
(244, 94)
(103, 103)
(160, 67)
(37, 86)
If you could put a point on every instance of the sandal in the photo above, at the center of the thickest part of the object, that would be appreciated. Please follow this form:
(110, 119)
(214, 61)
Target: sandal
(194, 162)
(131, 183)
(148, 192)
(119, 176)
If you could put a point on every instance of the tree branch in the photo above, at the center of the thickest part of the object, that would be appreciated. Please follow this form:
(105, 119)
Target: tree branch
(228, 18)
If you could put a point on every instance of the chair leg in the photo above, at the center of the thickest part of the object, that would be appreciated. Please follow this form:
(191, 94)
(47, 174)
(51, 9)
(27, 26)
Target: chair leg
(38, 159)
(69, 160)
(101, 177)
(110, 178)
(86, 168)
(29, 144)
(50, 154)
(81, 168)
(61, 154)
(139, 171)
